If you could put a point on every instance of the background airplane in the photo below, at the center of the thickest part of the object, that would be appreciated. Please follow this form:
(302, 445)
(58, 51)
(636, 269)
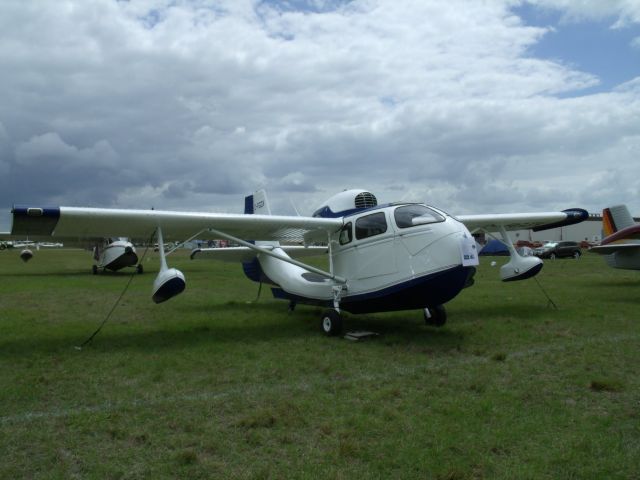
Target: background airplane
(397, 256)
(108, 253)
(621, 243)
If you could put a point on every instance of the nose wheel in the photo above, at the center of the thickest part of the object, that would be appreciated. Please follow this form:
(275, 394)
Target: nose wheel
(435, 316)
(331, 322)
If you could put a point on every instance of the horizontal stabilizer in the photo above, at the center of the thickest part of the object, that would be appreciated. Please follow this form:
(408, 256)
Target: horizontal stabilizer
(629, 233)
(615, 248)
(574, 215)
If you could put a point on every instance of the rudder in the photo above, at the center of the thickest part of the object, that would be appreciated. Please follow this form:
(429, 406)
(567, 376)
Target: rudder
(257, 203)
(616, 218)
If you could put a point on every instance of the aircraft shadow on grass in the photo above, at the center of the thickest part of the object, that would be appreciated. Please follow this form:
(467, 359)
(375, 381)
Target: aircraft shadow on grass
(398, 331)
(71, 273)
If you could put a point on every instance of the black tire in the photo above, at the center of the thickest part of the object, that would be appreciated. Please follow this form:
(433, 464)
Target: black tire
(94, 269)
(577, 254)
(435, 316)
(139, 269)
(331, 323)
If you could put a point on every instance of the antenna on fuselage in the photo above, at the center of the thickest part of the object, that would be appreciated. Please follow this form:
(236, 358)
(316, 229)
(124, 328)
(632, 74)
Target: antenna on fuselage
(294, 207)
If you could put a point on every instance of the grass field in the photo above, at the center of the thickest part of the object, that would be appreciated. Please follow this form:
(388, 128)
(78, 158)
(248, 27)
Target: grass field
(209, 385)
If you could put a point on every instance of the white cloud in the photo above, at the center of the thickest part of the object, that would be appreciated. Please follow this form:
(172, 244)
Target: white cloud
(194, 104)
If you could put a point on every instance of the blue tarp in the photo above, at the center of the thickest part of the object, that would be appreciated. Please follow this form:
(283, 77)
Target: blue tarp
(494, 247)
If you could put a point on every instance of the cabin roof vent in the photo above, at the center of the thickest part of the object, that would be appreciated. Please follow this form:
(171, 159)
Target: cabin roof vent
(366, 200)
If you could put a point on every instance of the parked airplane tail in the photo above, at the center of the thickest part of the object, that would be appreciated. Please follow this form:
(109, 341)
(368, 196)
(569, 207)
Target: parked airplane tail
(256, 204)
(616, 218)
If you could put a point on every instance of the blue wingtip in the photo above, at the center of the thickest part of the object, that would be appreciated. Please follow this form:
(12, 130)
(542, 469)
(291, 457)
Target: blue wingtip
(574, 215)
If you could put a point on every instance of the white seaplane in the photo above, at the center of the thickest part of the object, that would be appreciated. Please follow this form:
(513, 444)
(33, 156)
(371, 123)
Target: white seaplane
(115, 254)
(397, 256)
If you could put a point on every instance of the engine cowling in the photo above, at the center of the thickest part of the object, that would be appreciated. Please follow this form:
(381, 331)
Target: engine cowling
(346, 202)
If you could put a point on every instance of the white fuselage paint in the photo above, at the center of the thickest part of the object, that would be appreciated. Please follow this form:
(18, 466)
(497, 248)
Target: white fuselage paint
(396, 256)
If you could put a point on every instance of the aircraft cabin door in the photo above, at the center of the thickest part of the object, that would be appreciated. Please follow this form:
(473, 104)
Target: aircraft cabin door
(374, 246)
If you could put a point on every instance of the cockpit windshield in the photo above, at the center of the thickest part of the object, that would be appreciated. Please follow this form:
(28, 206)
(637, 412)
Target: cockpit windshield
(415, 214)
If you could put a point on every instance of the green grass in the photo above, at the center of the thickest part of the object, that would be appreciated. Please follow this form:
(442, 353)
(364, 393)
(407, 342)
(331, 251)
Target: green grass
(210, 385)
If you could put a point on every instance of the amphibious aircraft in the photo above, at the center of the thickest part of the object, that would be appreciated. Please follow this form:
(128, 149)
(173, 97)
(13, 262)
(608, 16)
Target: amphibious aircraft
(396, 256)
(621, 245)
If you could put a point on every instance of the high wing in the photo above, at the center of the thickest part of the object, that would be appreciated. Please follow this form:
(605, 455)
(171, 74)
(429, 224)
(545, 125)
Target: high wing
(74, 222)
(523, 221)
(245, 254)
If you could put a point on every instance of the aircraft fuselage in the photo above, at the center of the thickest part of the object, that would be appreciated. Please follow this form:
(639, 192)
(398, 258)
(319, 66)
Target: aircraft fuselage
(394, 257)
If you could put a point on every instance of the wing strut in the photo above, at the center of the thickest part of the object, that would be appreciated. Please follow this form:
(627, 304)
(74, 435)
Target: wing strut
(270, 253)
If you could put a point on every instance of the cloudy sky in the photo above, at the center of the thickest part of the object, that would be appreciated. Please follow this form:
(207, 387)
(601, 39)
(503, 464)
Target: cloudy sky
(472, 106)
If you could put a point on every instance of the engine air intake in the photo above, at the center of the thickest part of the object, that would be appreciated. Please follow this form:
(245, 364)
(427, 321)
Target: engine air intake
(366, 200)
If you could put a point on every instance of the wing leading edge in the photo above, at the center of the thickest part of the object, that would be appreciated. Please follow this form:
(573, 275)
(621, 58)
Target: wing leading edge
(523, 221)
(77, 222)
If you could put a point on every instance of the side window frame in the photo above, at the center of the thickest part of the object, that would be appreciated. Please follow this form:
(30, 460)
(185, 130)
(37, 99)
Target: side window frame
(348, 230)
(365, 232)
(437, 217)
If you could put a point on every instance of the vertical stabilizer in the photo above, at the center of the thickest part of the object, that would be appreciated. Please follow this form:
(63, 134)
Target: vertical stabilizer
(615, 218)
(257, 204)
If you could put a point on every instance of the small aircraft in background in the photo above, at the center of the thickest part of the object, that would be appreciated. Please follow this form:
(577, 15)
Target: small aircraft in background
(396, 256)
(108, 253)
(115, 254)
(621, 243)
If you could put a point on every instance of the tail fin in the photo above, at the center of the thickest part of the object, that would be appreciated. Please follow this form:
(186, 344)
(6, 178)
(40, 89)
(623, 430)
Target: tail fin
(615, 218)
(258, 203)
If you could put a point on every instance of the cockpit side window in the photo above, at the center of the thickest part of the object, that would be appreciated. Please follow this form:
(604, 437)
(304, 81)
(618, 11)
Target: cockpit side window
(371, 225)
(346, 234)
(412, 215)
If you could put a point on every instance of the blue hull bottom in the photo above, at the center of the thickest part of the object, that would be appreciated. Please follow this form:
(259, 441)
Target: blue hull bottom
(428, 291)
(124, 260)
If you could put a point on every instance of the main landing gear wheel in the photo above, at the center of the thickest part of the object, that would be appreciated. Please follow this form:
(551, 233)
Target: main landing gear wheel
(139, 269)
(94, 269)
(331, 322)
(435, 316)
